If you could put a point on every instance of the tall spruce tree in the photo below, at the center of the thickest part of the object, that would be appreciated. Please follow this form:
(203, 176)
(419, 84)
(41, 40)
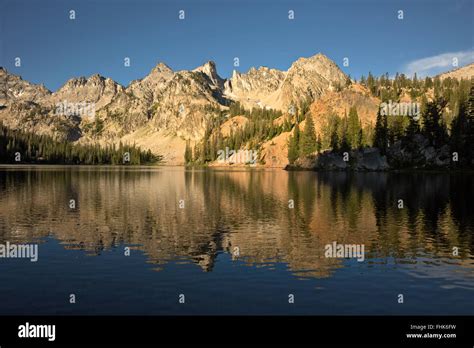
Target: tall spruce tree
(433, 127)
(462, 130)
(318, 144)
(308, 137)
(293, 145)
(334, 139)
(354, 129)
(381, 133)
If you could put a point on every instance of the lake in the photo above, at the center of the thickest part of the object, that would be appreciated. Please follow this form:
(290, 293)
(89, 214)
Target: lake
(176, 241)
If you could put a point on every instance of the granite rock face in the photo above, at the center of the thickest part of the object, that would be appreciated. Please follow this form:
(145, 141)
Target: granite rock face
(306, 79)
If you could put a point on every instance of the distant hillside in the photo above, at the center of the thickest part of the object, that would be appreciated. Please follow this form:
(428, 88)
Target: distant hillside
(465, 72)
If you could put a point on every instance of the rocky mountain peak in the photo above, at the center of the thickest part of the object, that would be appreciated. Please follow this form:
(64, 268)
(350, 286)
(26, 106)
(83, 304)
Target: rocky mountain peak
(151, 86)
(316, 57)
(74, 82)
(319, 64)
(306, 79)
(209, 69)
(235, 74)
(14, 89)
(96, 78)
(161, 68)
(96, 88)
(94, 81)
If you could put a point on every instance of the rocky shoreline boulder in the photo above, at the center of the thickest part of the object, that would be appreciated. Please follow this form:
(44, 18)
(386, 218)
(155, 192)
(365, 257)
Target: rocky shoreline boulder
(419, 153)
(367, 159)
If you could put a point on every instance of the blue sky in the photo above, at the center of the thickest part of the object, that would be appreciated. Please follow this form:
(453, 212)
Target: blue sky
(54, 48)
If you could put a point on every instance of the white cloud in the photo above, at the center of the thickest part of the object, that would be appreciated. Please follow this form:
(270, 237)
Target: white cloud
(434, 65)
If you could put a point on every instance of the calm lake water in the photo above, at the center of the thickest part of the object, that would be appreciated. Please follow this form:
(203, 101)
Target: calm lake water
(235, 247)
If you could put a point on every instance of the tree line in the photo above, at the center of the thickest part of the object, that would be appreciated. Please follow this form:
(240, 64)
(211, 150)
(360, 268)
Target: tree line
(22, 147)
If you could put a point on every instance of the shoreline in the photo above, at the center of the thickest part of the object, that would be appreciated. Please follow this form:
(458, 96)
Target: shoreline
(288, 168)
(390, 170)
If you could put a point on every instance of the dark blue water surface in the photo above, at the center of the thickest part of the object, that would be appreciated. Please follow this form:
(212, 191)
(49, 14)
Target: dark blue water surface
(235, 247)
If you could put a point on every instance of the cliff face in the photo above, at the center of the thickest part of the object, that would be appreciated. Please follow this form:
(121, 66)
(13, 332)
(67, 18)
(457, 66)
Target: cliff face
(309, 79)
(256, 88)
(306, 79)
(95, 89)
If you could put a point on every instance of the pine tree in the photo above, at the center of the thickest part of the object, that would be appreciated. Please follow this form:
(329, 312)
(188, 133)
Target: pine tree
(334, 139)
(412, 129)
(381, 133)
(344, 145)
(353, 129)
(462, 129)
(433, 127)
(308, 138)
(371, 84)
(293, 145)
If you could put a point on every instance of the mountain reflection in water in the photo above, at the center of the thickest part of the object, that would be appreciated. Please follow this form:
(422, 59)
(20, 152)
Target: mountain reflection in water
(243, 216)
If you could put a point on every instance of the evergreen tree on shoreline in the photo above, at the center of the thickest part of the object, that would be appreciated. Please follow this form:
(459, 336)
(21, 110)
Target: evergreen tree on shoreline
(307, 144)
(381, 133)
(293, 145)
(353, 129)
(42, 149)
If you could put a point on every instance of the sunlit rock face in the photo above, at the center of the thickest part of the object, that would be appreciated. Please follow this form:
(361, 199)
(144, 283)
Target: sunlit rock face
(164, 109)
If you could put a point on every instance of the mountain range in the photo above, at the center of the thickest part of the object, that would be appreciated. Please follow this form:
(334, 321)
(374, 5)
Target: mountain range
(166, 109)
